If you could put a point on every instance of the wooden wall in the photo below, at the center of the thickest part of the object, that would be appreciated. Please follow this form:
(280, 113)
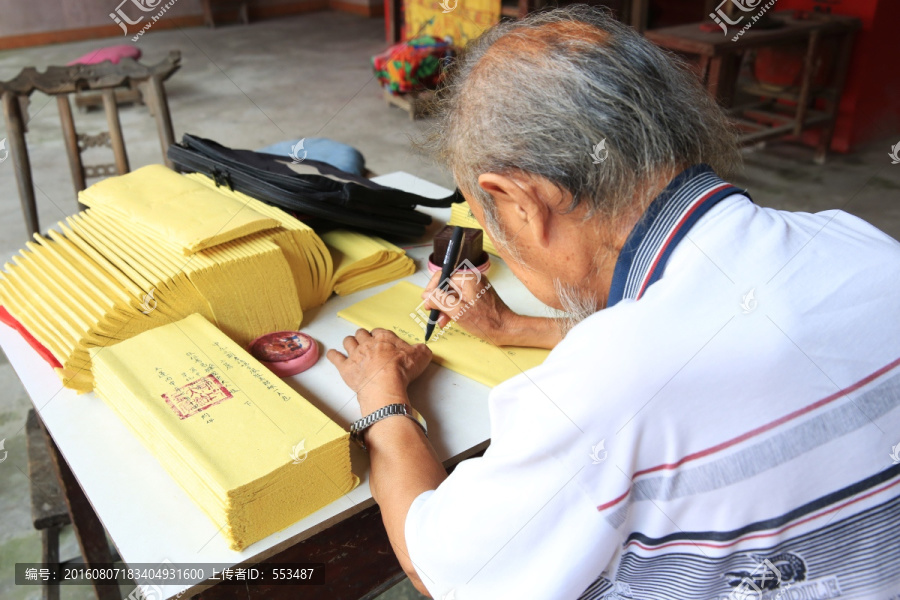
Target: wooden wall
(37, 22)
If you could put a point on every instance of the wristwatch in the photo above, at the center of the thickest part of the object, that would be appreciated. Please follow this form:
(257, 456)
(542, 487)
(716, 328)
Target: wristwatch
(360, 426)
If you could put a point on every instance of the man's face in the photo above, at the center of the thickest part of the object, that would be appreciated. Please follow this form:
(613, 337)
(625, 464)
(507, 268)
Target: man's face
(530, 264)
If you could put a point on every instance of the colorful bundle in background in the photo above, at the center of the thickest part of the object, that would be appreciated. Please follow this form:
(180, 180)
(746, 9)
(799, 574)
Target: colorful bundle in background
(154, 247)
(413, 65)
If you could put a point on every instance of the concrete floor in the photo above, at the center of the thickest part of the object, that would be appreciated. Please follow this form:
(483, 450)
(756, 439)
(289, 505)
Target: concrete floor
(308, 76)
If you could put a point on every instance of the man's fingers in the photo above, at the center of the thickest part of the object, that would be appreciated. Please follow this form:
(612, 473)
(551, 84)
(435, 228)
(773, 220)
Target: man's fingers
(336, 358)
(443, 320)
(350, 344)
(433, 283)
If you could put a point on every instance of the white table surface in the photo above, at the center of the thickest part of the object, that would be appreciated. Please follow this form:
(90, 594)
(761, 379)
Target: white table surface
(151, 519)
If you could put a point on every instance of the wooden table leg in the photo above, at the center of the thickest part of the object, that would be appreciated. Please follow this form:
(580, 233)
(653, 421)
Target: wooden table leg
(88, 530)
(722, 77)
(208, 18)
(639, 14)
(18, 149)
(806, 82)
(50, 556)
(359, 564)
(833, 100)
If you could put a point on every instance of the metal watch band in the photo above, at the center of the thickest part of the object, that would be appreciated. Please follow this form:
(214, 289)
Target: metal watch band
(360, 426)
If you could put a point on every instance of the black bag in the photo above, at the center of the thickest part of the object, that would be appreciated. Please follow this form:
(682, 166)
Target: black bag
(323, 202)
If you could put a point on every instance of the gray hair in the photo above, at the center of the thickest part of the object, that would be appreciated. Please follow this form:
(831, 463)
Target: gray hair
(535, 96)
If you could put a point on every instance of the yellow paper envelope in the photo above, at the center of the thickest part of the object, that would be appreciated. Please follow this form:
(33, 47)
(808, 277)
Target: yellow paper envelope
(399, 309)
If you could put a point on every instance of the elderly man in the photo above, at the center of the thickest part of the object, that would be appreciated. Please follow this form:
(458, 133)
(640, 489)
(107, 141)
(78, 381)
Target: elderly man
(716, 420)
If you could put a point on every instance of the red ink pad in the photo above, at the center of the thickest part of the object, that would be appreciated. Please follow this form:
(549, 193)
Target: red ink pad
(285, 353)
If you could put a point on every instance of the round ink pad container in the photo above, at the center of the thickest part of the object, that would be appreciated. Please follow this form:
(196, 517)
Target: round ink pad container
(285, 353)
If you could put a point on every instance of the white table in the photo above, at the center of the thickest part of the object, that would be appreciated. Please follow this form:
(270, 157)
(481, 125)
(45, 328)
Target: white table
(150, 518)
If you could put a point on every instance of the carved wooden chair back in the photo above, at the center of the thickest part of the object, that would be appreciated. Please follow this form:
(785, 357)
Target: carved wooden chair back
(64, 81)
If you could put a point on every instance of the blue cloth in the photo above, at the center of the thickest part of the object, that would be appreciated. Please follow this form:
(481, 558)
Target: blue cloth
(344, 157)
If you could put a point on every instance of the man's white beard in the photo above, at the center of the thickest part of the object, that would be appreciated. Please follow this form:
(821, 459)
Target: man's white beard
(577, 304)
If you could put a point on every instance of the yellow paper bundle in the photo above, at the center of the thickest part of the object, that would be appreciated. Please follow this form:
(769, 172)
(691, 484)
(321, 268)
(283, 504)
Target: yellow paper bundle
(461, 215)
(304, 250)
(400, 310)
(139, 259)
(248, 449)
(363, 261)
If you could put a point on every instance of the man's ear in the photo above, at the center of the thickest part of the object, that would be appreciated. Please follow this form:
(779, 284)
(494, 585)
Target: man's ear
(519, 205)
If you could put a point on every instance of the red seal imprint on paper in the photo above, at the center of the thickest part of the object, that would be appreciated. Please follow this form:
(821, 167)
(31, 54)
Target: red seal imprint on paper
(195, 397)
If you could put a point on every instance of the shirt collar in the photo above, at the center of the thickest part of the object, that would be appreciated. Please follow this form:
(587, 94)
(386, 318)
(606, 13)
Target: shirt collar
(665, 222)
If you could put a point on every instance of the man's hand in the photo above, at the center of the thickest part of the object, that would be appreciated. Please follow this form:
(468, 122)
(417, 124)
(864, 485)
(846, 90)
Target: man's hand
(475, 305)
(379, 366)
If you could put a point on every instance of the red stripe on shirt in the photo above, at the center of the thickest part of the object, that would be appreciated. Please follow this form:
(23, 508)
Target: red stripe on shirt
(759, 430)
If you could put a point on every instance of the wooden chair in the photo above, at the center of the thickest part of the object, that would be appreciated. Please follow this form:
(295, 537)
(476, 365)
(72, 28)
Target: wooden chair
(65, 81)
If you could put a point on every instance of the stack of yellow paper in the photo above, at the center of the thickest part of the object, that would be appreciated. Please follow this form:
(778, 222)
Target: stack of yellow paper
(461, 215)
(399, 309)
(362, 261)
(157, 246)
(247, 448)
(304, 250)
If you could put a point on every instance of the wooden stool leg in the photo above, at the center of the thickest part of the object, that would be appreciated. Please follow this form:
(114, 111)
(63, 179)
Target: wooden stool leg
(22, 165)
(70, 136)
(50, 557)
(88, 529)
(157, 99)
(115, 130)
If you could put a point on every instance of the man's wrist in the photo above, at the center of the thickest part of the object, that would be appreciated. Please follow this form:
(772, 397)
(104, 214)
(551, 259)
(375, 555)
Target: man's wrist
(381, 391)
(534, 332)
(396, 429)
